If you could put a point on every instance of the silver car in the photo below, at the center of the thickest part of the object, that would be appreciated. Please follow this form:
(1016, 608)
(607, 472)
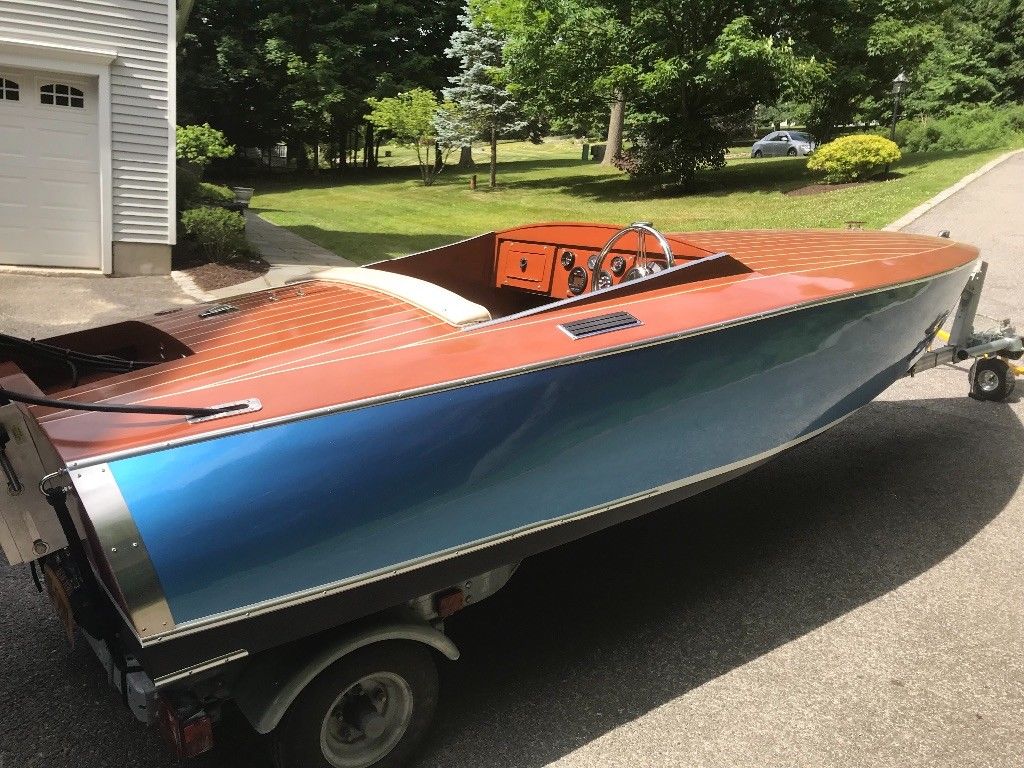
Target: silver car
(782, 143)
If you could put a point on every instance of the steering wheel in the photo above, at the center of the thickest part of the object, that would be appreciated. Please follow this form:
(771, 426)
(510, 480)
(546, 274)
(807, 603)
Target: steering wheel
(643, 266)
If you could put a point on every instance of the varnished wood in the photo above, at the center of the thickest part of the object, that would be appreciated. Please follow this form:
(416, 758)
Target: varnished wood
(316, 344)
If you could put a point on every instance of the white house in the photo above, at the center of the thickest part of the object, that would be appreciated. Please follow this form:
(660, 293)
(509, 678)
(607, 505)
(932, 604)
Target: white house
(87, 134)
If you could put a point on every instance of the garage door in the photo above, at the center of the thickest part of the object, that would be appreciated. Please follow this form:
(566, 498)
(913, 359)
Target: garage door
(49, 170)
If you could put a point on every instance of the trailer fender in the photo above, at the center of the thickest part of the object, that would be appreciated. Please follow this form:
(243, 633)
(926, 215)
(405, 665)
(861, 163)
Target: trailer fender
(273, 681)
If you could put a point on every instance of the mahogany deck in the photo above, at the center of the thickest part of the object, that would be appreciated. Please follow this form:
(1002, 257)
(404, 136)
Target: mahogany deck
(317, 345)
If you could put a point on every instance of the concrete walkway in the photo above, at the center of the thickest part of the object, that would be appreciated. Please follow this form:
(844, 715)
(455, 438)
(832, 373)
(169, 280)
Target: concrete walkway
(291, 257)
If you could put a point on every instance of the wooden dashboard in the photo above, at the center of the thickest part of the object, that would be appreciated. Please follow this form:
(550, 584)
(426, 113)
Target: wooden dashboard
(557, 260)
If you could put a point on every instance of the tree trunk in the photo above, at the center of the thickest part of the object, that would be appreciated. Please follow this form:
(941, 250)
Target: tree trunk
(613, 145)
(466, 157)
(494, 157)
(368, 153)
(316, 156)
(297, 149)
(438, 158)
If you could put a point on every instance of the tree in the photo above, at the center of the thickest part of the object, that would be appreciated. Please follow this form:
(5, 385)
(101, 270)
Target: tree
(454, 128)
(688, 73)
(859, 46)
(482, 103)
(409, 119)
(564, 60)
(977, 58)
(295, 71)
(690, 102)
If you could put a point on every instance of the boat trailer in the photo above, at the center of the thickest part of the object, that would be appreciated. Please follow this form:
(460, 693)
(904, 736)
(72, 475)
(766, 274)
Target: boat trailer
(994, 351)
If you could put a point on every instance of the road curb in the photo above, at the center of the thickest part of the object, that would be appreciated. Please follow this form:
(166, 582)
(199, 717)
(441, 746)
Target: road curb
(188, 286)
(923, 208)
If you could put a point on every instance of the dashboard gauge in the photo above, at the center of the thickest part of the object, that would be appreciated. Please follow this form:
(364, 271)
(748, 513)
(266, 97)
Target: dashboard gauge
(635, 273)
(652, 268)
(577, 281)
(568, 259)
(618, 266)
(592, 262)
(604, 280)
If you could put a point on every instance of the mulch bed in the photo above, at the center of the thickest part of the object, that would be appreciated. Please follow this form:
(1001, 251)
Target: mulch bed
(818, 189)
(210, 275)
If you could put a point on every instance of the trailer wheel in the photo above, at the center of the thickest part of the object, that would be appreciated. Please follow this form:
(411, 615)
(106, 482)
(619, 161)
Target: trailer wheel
(370, 709)
(991, 379)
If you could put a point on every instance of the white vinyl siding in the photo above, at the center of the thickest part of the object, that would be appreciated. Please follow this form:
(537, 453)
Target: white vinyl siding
(140, 95)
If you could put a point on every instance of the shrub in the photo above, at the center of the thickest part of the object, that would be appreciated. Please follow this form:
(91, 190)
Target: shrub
(186, 188)
(980, 127)
(199, 144)
(219, 233)
(193, 193)
(852, 158)
(212, 194)
(921, 136)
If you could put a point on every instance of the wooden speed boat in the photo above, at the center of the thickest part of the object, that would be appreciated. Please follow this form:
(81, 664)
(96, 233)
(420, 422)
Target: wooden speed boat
(383, 433)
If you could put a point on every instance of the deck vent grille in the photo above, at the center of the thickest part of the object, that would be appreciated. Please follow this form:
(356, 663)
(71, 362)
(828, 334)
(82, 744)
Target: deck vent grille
(592, 326)
(220, 309)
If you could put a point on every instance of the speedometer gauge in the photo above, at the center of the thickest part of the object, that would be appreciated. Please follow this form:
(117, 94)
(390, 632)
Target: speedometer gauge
(577, 281)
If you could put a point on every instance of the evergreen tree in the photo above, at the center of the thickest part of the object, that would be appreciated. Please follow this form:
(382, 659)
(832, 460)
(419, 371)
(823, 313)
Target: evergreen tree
(482, 103)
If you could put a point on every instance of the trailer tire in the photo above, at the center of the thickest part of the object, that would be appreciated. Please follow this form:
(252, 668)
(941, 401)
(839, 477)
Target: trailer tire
(991, 379)
(322, 727)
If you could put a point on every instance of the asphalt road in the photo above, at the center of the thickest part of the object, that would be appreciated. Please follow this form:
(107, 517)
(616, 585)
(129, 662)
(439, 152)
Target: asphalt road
(856, 602)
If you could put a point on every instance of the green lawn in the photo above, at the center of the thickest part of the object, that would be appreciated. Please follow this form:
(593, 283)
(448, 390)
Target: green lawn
(367, 217)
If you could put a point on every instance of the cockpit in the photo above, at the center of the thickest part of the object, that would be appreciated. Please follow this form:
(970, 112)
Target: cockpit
(534, 268)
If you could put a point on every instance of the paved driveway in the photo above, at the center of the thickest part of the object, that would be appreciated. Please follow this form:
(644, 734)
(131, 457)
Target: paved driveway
(857, 602)
(38, 305)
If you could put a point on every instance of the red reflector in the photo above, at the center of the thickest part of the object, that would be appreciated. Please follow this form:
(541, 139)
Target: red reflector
(189, 737)
(450, 602)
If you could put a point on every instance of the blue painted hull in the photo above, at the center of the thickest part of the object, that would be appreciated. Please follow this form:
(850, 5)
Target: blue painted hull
(254, 516)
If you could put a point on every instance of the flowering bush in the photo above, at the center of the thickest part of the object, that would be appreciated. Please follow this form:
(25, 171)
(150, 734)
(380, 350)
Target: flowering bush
(199, 144)
(853, 158)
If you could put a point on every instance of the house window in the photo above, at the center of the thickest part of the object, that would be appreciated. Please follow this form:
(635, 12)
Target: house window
(61, 95)
(9, 90)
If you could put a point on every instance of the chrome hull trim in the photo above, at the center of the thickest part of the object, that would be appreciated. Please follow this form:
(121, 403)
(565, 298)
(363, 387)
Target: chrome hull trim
(124, 549)
(496, 375)
(220, 661)
(200, 625)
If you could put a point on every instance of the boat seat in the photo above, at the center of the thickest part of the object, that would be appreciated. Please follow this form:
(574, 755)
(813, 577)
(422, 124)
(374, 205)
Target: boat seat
(432, 298)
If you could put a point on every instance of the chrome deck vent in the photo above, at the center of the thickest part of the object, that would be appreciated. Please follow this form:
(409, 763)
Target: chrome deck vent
(220, 309)
(592, 326)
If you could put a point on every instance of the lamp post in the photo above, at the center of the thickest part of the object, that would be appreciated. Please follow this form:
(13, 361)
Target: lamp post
(899, 87)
